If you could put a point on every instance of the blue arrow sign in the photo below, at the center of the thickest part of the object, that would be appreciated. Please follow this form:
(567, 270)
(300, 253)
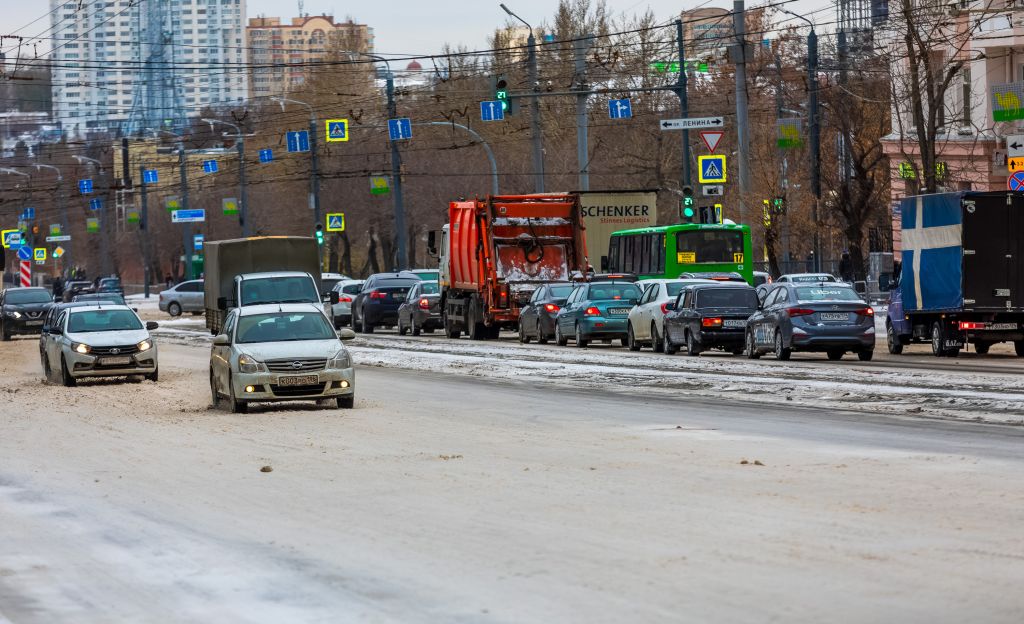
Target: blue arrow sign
(266, 155)
(620, 109)
(210, 166)
(24, 253)
(29, 214)
(492, 110)
(150, 176)
(298, 141)
(188, 216)
(85, 186)
(95, 204)
(399, 129)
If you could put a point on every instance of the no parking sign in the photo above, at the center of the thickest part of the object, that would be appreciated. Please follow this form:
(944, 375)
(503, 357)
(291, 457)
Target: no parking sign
(1016, 181)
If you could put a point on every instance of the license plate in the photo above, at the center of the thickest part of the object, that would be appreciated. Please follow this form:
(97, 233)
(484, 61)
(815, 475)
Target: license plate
(1002, 326)
(618, 310)
(834, 316)
(115, 361)
(33, 323)
(302, 380)
(734, 323)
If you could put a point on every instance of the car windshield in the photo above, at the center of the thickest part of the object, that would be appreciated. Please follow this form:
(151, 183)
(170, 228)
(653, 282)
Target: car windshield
(327, 285)
(19, 297)
(103, 321)
(709, 246)
(429, 288)
(110, 282)
(674, 288)
(287, 289)
(561, 292)
(613, 291)
(396, 283)
(351, 289)
(108, 298)
(429, 276)
(283, 327)
(826, 293)
(726, 298)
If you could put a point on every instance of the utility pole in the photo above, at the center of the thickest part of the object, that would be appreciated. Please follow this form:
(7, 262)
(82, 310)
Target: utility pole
(396, 178)
(243, 204)
(815, 131)
(535, 122)
(314, 157)
(742, 128)
(784, 171)
(187, 230)
(144, 230)
(684, 102)
(581, 47)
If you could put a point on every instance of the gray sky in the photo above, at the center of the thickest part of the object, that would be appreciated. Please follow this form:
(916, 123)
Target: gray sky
(408, 27)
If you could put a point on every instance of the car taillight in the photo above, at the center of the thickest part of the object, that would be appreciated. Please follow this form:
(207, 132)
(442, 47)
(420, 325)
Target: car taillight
(866, 312)
(799, 312)
(376, 294)
(345, 299)
(664, 308)
(425, 304)
(550, 307)
(592, 311)
(971, 325)
(712, 321)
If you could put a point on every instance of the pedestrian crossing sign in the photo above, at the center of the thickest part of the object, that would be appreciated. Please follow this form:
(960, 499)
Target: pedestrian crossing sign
(337, 130)
(40, 254)
(712, 169)
(336, 222)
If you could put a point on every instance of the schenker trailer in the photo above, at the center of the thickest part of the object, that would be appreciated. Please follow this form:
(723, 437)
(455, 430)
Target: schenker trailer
(961, 280)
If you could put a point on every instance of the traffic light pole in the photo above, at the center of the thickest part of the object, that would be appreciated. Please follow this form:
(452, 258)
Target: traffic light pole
(144, 230)
(684, 103)
(187, 240)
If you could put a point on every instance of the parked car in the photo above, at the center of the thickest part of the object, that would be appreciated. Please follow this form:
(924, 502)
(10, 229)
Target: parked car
(378, 300)
(718, 276)
(50, 321)
(22, 310)
(709, 316)
(537, 317)
(184, 297)
(645, 325)
(329, 280)
(421, 310)
(596, 310)
(829, 317)
(76, 287)
(280, 352)
(806, 278)
(99, 341)
(110, 285)
(109, 297)
(341, 312)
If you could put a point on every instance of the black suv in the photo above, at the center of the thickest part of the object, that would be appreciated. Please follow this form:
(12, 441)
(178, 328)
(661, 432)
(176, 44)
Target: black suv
(22, 310)
(378, 301)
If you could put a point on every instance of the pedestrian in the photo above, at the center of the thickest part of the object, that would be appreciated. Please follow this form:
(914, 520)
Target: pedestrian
(169, 280)
(58, 287)
(846, 267)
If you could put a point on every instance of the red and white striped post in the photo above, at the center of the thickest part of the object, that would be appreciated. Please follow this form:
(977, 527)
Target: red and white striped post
(26, 273)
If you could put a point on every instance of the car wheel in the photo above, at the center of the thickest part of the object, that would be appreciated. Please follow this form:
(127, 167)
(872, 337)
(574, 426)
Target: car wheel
(657, 340)
(174, 308)
(560, 340)
(781, 352)
(865, 355)
(346, 402)
(336, 322)
(892, 341)
(1018, 347)
(154, 376)
(65, 375)
(668, 347)
(3, 332)
(624, 342)
(214, 396)
(581, 342)
(401, 328)
(541, 338)
(751, 347)
(415, 329)
(450, 331)
(631, 342)
(938, 340)
(364, 326)
(691, 345)
(981, 348)
(237, 406)
(523, 338)
(835, 354)
(47, 372)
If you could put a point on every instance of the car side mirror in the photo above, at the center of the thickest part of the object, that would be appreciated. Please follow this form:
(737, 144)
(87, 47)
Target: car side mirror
(346, 334)
(333, 297)
(151, 325)
(222, 303)
(55, 331)
(221, 340)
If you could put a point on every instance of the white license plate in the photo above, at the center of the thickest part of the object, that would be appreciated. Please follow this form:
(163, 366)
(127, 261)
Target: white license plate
(1002, 326)
(33, 323)
(734, 323)
(834, 316)
(302, 380)
(115, 361)
(618, 310)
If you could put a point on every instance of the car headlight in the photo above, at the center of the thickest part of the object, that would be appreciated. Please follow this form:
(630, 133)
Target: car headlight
(16, 315)
(78, 347)
(249, 364)
(341, 359)
(145, 345)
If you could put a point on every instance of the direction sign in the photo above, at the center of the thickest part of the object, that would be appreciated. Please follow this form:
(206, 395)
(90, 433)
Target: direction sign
(337, 130)
(11, 238)
(712, 190)
(336, 222)
(1016, 181)
(401, 128)
(194, 215)
(24, 253)
(1015, 145)
(490, 110)
(1015, 164)
(691, 123)
(197, 241)
(39, 254)
(29, 214)
(298, 141)
(266, 155)
(620, 109)
(210, 166)
(150, 176)
(85, 186)
(711, 138)
(58, 251)
(62, 238)
(95, 204)
(711, 169)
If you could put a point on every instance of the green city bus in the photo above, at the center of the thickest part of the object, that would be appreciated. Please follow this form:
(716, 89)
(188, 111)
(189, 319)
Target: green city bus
(665, 252)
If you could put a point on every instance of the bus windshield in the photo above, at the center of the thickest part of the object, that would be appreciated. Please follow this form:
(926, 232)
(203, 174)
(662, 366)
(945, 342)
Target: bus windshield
(709, 246)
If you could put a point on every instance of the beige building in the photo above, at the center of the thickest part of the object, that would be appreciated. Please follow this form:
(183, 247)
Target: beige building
(281, 54)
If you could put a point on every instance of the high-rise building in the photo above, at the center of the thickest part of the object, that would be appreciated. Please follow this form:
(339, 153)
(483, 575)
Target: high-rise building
(284, 55)
(100, 50)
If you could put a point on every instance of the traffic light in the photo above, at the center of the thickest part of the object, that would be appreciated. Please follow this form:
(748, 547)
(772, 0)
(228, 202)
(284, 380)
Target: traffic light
(779, 205)
(501, 91)
(711, 214)
(687, 211)
(319, 234)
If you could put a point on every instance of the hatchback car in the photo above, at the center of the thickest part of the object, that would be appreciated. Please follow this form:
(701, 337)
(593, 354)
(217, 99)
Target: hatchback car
(378, 300)
(709, 316)
(341, 312)
(99, 340)
(646, 321)
(537, 317)
(421, 310)
(22, 310)
(597, 310)
(829, 317)
(184, 297)
(280, 352)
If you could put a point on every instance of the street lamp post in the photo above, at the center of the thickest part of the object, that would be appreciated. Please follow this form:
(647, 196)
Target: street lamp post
(104, 243)
(62, 204)
(535, 127)
(10, 171)
(187, 240)
(243, 207)
(314, 173)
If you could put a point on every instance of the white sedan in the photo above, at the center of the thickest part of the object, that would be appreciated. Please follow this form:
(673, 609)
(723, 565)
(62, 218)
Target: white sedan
(647, 318)
(280, 352)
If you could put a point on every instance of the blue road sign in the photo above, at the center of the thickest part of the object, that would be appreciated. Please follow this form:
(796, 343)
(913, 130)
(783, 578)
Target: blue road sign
(188, 216)
(492, 110)
(24, 252)
(85, 186)
(210, 166)
(29, 214)
(150, 176)
(1016, 181)
(712, 169)
(266, 155)
(399, 129)
(197, 241)
(298, 141)
(95, 204)
(620, 109)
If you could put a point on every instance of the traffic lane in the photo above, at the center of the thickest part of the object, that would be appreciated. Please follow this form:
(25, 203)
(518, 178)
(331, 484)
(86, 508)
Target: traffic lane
(444, 498)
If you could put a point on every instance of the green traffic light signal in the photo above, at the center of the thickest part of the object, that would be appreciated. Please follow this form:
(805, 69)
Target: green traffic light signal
(319, 235)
